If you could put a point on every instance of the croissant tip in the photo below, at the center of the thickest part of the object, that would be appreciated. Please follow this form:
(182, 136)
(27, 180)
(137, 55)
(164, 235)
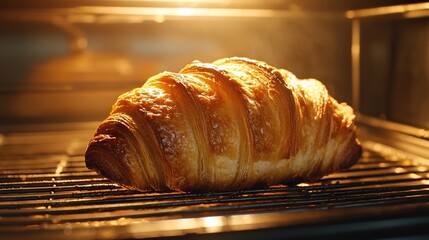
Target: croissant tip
(99, 158)
(354, 155)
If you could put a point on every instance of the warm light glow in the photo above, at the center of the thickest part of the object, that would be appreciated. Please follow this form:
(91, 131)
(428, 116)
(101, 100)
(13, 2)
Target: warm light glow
(111, 14)
(185, 11)
(213, 222)
(383, 165)
(397, 127)
(414, 176)
(406, 8)
(422, 169)
(425, 182)
(61, 165)
(355, 51)
(417, 14)
(159, 18)
(399, 170)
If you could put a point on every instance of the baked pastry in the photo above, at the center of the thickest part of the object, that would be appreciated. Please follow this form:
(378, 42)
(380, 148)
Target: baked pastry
(233, 124)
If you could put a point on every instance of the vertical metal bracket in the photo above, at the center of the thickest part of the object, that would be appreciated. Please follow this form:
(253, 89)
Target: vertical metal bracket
(355, 53)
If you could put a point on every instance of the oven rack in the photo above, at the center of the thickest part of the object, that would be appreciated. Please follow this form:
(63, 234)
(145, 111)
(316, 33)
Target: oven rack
(47, 192)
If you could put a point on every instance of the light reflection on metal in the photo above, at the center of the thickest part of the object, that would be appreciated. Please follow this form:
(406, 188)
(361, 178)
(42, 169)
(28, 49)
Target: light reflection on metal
(61, 166)
(214, 224)
(355, 52)
(392, 126)
(421, 8)
(394, 154)
(422, 169)
(185, 12)
(414, 176)
(425, 182)
(109, 14)
(241, 222)
(303, 184)
(417, 14)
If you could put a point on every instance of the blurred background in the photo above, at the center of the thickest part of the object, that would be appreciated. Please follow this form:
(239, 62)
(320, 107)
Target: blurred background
(68, 61)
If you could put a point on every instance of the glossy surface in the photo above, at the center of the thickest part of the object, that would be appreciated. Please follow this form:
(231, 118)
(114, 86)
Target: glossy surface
(230, 125)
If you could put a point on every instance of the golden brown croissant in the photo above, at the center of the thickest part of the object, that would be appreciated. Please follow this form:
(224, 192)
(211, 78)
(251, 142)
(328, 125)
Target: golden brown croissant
(233, 124)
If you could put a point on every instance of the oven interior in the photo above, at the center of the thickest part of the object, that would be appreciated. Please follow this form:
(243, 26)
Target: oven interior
(64, 64)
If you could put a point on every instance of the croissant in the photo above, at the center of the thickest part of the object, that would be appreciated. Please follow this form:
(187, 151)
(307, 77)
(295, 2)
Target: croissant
(233, 124)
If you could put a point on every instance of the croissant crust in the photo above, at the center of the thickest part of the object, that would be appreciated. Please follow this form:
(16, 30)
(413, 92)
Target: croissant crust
(232, 124)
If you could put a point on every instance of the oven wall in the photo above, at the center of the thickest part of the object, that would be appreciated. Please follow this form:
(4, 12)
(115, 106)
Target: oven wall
(310, 47)
(395, 70)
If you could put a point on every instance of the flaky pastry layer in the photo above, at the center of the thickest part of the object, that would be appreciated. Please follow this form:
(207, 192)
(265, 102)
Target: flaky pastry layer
(233, 124)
